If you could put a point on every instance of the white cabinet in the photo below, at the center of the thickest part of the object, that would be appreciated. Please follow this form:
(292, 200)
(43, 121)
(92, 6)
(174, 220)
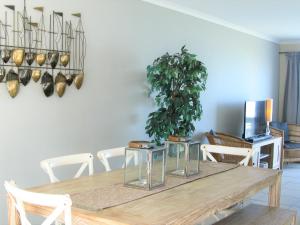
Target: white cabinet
(267, 152)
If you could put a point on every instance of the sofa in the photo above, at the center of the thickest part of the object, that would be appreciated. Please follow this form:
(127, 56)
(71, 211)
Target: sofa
(290, 134)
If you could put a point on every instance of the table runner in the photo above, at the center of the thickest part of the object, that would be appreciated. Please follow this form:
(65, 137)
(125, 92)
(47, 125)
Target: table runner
(117, 194)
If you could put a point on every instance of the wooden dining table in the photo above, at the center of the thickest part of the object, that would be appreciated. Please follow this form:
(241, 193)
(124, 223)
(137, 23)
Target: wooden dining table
(188, 203)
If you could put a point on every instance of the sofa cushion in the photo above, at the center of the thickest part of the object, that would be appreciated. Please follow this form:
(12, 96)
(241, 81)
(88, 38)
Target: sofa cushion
(282, 126)
(292, 145)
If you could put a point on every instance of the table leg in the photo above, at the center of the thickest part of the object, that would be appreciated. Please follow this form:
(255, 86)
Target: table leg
(13, 215)
(274, 192)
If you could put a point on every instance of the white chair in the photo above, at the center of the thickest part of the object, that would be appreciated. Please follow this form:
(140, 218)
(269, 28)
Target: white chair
(104, 155)
(208, 149)
(86, 159)
(220, 149)
(60, 203)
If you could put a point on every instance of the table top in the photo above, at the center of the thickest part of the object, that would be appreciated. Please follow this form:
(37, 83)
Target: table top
(183, 204)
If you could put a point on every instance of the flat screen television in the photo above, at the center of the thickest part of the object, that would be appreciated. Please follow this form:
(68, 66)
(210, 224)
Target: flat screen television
(254, 119)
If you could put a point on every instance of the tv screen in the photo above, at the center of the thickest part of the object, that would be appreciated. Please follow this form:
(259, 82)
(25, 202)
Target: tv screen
(254, 119)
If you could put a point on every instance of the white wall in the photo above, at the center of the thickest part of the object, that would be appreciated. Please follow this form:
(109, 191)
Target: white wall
(123, 37)
(283, 69)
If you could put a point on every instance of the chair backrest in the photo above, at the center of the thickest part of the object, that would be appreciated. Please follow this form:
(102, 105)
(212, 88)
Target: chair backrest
(282, 126)
(104, 155)
(218, 138)
(208, 149)
(86, 159)
(294, 133)
(60, 203)
(224, 139)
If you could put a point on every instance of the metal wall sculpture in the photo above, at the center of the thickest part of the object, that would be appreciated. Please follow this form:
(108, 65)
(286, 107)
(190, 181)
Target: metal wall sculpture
(54, 55)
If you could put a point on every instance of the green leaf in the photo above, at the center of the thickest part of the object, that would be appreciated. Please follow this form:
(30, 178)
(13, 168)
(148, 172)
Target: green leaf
(176, 82)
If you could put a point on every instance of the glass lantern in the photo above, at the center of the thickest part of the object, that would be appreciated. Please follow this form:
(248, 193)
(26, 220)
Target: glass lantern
(183, 158)
(148, 171)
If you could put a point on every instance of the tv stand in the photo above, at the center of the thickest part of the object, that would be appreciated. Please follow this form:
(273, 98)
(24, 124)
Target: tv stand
(267, 153)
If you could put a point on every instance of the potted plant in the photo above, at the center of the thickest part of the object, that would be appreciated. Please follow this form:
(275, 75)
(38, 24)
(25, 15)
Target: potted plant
(176, 82)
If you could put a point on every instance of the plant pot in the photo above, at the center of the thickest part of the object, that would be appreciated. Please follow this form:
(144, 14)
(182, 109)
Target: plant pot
(25, 76)
(140, 144)
(176, 138)
(30, 57)
(40, 59)
(12, 83)
(60, 84)
(47, 84)
(53, 58)
(5, 55)
(36, 74)
(65, 59)
(78, 80)
(18, 56)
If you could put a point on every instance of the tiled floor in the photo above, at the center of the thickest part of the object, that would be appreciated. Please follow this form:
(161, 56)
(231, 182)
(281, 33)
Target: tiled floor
(290, 190)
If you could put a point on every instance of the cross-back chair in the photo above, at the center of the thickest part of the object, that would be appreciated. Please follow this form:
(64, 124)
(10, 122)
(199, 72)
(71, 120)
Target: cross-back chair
(61, 204)
(208, 149)
(105, 155)
(85, 159)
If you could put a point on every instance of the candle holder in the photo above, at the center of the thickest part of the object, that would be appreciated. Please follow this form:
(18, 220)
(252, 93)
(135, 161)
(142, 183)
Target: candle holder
(183, 158)
(149, 172)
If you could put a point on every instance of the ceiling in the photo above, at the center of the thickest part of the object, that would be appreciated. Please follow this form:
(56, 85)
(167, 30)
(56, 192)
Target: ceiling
(274, 20)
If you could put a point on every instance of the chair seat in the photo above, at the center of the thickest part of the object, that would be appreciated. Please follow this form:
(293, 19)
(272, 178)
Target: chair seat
(260, 215)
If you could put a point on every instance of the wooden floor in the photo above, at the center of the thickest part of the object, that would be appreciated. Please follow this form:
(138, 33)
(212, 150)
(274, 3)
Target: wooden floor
(290, 190)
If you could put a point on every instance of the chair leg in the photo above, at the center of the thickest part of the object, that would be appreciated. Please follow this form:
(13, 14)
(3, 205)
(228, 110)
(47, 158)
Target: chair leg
(13, 214)
(294, 220)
